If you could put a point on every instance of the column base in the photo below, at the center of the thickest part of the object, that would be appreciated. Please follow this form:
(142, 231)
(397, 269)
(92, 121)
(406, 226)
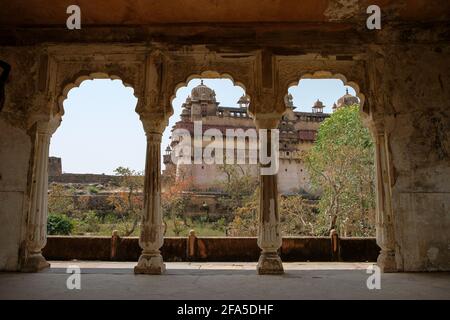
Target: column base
(386, 261)
(150, 264)
(270, 263)
(35, 263)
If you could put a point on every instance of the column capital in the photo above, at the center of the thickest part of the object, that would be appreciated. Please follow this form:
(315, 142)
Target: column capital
(48, 127)
(44, 124)
(154, 123)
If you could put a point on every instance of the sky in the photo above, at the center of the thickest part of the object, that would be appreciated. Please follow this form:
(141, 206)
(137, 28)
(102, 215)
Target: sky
(101, 131)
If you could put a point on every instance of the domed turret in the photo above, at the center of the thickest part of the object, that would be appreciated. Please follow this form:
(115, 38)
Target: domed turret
(318, 107)
(167, 156)
(243, 101)
(203, 93)
(201, 103)
(185, 114)
(346, 100)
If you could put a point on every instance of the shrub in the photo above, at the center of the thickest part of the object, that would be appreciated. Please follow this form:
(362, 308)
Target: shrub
(93, 190)
(92, 222)
(59, 224)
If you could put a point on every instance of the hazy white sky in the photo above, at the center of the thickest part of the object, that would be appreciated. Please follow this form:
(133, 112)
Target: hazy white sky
(100, 130)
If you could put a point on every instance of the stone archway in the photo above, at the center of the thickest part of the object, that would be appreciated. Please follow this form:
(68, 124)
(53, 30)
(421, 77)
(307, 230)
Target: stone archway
(79, 80)
(269, 236)
(207, 75)
(324, 74)
(64, 71)
(153, 265)
(43, 130)
(384, 218)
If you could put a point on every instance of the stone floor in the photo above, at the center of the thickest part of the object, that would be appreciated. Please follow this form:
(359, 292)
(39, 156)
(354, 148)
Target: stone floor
(115, 280)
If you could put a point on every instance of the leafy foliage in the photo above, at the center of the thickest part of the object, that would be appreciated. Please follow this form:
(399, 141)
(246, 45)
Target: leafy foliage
(297, 217)
(174, 202)
(341, 165)
(60, 200)
(239, 187)
(245, 221)
(59, 224)
(89, 222)
(93, 190)
(128, 203)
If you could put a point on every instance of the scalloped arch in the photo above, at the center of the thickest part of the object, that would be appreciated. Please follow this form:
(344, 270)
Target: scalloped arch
(206, 75)
(91, 76)
(322, 74)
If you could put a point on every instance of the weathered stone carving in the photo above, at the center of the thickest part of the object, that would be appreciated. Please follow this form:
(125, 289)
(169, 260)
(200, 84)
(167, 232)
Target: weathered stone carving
(384, 216)
(269, 234)
(152, 227)
(36, 232)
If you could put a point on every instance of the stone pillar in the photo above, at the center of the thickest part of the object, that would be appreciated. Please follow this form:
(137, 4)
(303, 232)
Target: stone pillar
(115, 241)
(335, 245)
(152, 227)
(269, 234)
(191, 246)
(36, 232)
(384, 217)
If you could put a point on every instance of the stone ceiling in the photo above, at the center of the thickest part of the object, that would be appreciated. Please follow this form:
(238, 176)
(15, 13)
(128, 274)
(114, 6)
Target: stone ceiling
(147, 12)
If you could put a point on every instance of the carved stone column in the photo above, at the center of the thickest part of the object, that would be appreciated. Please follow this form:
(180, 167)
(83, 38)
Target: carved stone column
(269, 234)
(152, 227)
(384, 216)
(36, 232)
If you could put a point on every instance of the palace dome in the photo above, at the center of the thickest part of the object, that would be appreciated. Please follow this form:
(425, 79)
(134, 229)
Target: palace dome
(347, 100)
(202, 92)
(318, 104)
(318, 107)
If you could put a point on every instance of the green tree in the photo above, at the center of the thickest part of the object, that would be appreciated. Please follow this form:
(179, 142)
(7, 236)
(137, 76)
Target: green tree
(297, 217)
(242, 199)
(341, 165)
(128, 202)
(239, 187)
(245, 218)
(174, 201)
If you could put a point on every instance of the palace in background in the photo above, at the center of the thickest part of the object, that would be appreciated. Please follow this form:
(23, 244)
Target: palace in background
(297, 133)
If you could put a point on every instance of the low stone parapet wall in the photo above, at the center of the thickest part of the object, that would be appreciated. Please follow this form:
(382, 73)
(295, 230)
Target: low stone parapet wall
(83, 178)
(220, 249)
